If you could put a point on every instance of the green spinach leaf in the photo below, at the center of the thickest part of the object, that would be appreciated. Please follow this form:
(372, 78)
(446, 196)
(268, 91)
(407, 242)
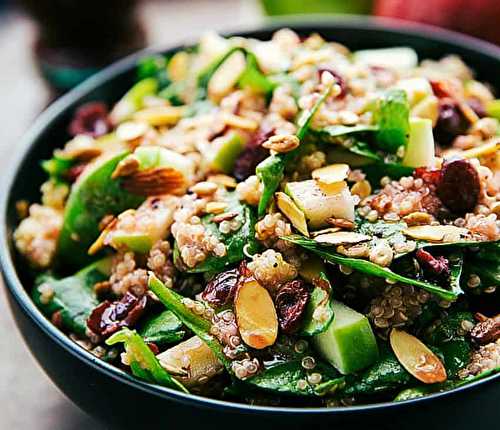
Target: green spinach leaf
(162, 329)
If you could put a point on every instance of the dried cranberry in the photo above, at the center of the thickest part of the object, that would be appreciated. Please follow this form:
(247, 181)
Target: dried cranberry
(477, 106)
(221, 289)
(75, 171)
(487, 330)
(451, 122)
(340, 81)
(459, 186)
(437, 268)
(440, 88)
(109, 317)
(290, 302)
(252, 155)
(90, 119)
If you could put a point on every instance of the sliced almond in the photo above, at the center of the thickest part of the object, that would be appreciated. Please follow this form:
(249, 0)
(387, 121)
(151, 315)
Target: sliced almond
(155, 182)
(100, 242)
(416, 358)
(341, 238)
(204, 188)
(192, 362)
(131, 130)
(241, 122)
(81, 147)
(331, 174)
(256, 315)
(215, 207)
(485, 149)
(226, 216)
(341, 223)
(224, 180)
(362, 189)
(178, 66)
(324, 231)
(435, 233)
(160, 115)
(226, 76)
(126, 167)
(292, 212)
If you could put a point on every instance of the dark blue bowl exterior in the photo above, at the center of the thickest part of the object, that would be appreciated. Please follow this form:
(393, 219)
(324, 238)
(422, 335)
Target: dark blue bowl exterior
(120, 401)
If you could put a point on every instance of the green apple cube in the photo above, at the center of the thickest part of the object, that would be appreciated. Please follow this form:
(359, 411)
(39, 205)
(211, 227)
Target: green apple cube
(392, 58)
(321, 202)
(416, 89)
(225, 150)
(349, 343)
(420, 149)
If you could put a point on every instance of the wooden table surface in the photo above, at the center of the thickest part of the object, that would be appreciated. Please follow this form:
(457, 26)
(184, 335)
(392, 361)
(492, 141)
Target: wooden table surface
(28, 399)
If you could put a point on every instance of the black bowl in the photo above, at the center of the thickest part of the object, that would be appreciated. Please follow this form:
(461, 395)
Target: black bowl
(118, 399)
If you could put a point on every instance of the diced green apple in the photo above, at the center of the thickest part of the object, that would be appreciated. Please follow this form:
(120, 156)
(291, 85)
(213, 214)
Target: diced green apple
(320, 202)
(416, 89)
(348, 343)
(428, 108)
(420, 149)
(225, 150)
(392, 58)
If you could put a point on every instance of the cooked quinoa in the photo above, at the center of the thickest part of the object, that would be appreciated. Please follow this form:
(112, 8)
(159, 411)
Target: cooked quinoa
(274, 212)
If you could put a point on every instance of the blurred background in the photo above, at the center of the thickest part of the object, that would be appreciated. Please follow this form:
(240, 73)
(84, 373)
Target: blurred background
(49, 46)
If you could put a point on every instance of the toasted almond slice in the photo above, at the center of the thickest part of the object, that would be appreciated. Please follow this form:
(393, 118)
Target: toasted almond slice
(324, 231)
(81, 147)
(204, 188)
(226, 216)
(100, 242)
(178, 66)
(151, 182)
(241, 122)
(331, 174)
(224, 180)
(215, 207)
(341, 223)
(160, 115)
(126, 167)
(256, 315)
(341, 238)
(435, 233)
(487, 148)
(362, 189)
(292, 212)
(131, 130)
(416, 358)
(226, 76)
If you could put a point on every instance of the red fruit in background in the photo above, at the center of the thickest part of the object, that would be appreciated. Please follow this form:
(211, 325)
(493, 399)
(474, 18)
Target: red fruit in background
(478, 17)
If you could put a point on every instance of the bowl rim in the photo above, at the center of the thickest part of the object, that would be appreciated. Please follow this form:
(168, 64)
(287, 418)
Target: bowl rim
(23, 299)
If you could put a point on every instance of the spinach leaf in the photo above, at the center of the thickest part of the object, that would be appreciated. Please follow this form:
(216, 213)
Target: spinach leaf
(449, 336)
(92, 197)
(271, 170)
(369, 267)
(144, 363)
(375, 172)
(483, 261)
(162, 329)
(73, 296)
(198, 325)
(154, 66)
(286, 378)
(235, 241)
(320, 299)
(251, 77)
(392, 115)
(385, 375)
(330, 134)
(57, 167)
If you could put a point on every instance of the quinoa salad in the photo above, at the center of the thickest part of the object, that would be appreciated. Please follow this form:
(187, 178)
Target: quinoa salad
(281, 222)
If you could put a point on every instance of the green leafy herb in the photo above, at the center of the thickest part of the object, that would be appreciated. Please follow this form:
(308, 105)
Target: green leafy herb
(235, 241)
(74, 296)
(483, 261)
(92, 197)
(162, 329)
(154, 66)
(290, 378)
(368, 267)
(143, 362)
(198, 325)
(449, 336)
(385, 375)
(392, 115)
